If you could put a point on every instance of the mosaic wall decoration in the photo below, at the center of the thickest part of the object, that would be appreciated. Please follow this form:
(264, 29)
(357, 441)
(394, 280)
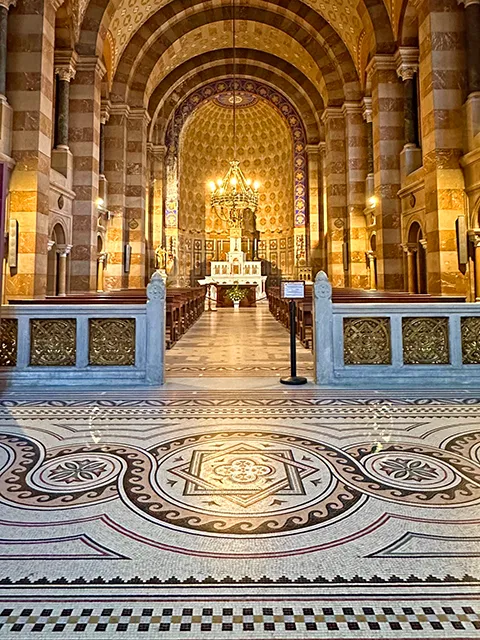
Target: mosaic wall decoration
(8, 342)
(367, 341)
(286, 109)
(425, 341)
(470, 340)
(53, 342)
(111, 341)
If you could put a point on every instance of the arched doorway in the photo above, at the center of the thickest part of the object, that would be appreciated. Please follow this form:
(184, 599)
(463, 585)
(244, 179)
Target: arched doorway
(416, 260)
(57, 262)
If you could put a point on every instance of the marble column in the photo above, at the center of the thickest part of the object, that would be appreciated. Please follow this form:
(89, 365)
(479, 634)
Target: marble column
(370, 179)
(388, 141)
(411, 251)
(407, 68)
(4, 8)
(102, 180)
(101, 260)
(441, 76)
(472, 105)
(65, 69)
(63, 108)
(62, 269)
(371, 270)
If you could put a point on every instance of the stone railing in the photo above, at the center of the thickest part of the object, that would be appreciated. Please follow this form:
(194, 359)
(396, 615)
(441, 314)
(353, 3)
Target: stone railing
(393, 344)
(109, 345)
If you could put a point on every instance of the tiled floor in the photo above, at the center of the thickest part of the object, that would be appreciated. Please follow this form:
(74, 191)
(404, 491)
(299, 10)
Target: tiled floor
(245, 342)
(239, 509)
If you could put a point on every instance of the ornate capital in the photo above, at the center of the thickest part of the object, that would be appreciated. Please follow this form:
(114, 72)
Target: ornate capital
(50, 245)
(367, 109)
(105, 110)
(65, 64)
(410, 247)
(63, 250)
(407, 62)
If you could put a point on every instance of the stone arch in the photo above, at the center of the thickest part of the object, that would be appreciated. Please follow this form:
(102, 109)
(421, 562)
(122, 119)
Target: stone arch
(286, 109)
(331, 55)
(408, 25)
(198, 72)
(417, 259)
(57, 239)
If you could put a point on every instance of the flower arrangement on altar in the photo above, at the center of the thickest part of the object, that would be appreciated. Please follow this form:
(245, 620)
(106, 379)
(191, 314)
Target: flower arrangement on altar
(236, 294)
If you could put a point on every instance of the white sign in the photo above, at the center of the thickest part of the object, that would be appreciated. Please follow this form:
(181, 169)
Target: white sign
(293, 289)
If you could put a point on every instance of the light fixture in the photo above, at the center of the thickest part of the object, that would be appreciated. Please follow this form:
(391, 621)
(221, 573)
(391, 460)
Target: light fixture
(373, 201)
(234, 195)
(100, 202)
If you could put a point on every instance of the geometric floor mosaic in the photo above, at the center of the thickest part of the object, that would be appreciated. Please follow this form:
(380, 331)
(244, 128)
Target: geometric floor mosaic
(256, 514)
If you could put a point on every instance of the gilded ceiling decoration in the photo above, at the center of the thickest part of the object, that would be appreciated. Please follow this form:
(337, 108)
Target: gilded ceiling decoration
(265, 152)
(249, 35)
(131, 14)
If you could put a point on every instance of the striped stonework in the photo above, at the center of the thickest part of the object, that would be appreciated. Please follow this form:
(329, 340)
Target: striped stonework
(156, 207)
(356, 150)
(30, 94)
(84, 144)
(442, 92)
(336, 189)
(135, 194)
(314, 205)
(388, 140)
(115, 172)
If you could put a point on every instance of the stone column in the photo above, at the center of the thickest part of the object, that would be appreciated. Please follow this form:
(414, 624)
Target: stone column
(472, 106)
(336, 189)
(115, 133)
(313, 155)
(62, 269)
(65, 69)
(84, 142)
(370, 180)
(407, 68)
(442, 76)
(101, 259)
(102, 180)
(410, 251)
(357, 167)
(388, 133)
(4, 8)
(135, 196)
(371, 270)
(30, 92)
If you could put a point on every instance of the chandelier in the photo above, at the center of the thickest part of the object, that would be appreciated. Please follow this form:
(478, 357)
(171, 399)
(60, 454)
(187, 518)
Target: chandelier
(233, 195)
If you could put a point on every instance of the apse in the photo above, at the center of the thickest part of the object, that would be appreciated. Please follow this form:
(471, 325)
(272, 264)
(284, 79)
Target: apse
(265, 152)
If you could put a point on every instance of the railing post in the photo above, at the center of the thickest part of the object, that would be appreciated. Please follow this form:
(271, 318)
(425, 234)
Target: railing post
(156, 304)
(323, 329)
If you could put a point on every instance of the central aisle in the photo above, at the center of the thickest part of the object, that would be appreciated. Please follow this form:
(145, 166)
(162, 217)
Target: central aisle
(243, 342)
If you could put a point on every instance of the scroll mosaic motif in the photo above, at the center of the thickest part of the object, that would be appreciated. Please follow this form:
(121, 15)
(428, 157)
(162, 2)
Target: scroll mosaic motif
(111, 341)
(425, 341)
(53, 342)
(367, 341)
(8, 342)
(470, 340)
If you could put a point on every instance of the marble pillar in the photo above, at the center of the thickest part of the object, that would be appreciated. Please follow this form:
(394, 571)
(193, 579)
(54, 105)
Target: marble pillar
(370, 255)
(63, 253)
(407, 68)
(370, 179)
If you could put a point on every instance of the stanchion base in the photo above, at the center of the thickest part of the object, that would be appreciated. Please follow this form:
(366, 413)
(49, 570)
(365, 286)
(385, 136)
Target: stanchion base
(294, 380)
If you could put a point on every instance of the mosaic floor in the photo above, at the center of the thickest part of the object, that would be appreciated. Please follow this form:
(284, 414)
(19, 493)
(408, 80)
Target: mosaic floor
(239, 514)
(247, 342)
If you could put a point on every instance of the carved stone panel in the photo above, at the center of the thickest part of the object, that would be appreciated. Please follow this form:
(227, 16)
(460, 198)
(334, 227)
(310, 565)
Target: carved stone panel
(8, 342)
(53, 342)
(111, 341)
(367, 341)
(470, 340)
(425, 341)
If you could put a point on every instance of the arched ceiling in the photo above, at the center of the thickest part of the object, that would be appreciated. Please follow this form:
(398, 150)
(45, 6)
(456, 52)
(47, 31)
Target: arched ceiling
(131, 14)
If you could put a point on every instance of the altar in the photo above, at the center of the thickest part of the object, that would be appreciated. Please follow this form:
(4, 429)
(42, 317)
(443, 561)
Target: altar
(236, 270)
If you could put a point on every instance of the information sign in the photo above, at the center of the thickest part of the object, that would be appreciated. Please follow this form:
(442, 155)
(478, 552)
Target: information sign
(293, 289)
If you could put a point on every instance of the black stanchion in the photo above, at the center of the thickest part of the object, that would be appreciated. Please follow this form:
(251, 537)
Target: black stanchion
(293, 379)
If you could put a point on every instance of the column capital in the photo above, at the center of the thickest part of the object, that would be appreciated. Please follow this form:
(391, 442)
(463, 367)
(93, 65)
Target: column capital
(6, 4)
(371, 255)
(467, 3)
(312, 149)
(120, 109)
(331, 112)
(159, 151)
(140, 114)
(367, 109)
(92, 64)
(410, 247)
(474, 236)
(63, 250)
(105, 110)
(50, 245)
(65, 64)
(407, 62)
(349, 108)
(381, 62)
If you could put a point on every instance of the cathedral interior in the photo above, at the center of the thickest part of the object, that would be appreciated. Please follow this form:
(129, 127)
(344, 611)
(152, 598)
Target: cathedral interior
(169, 171)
